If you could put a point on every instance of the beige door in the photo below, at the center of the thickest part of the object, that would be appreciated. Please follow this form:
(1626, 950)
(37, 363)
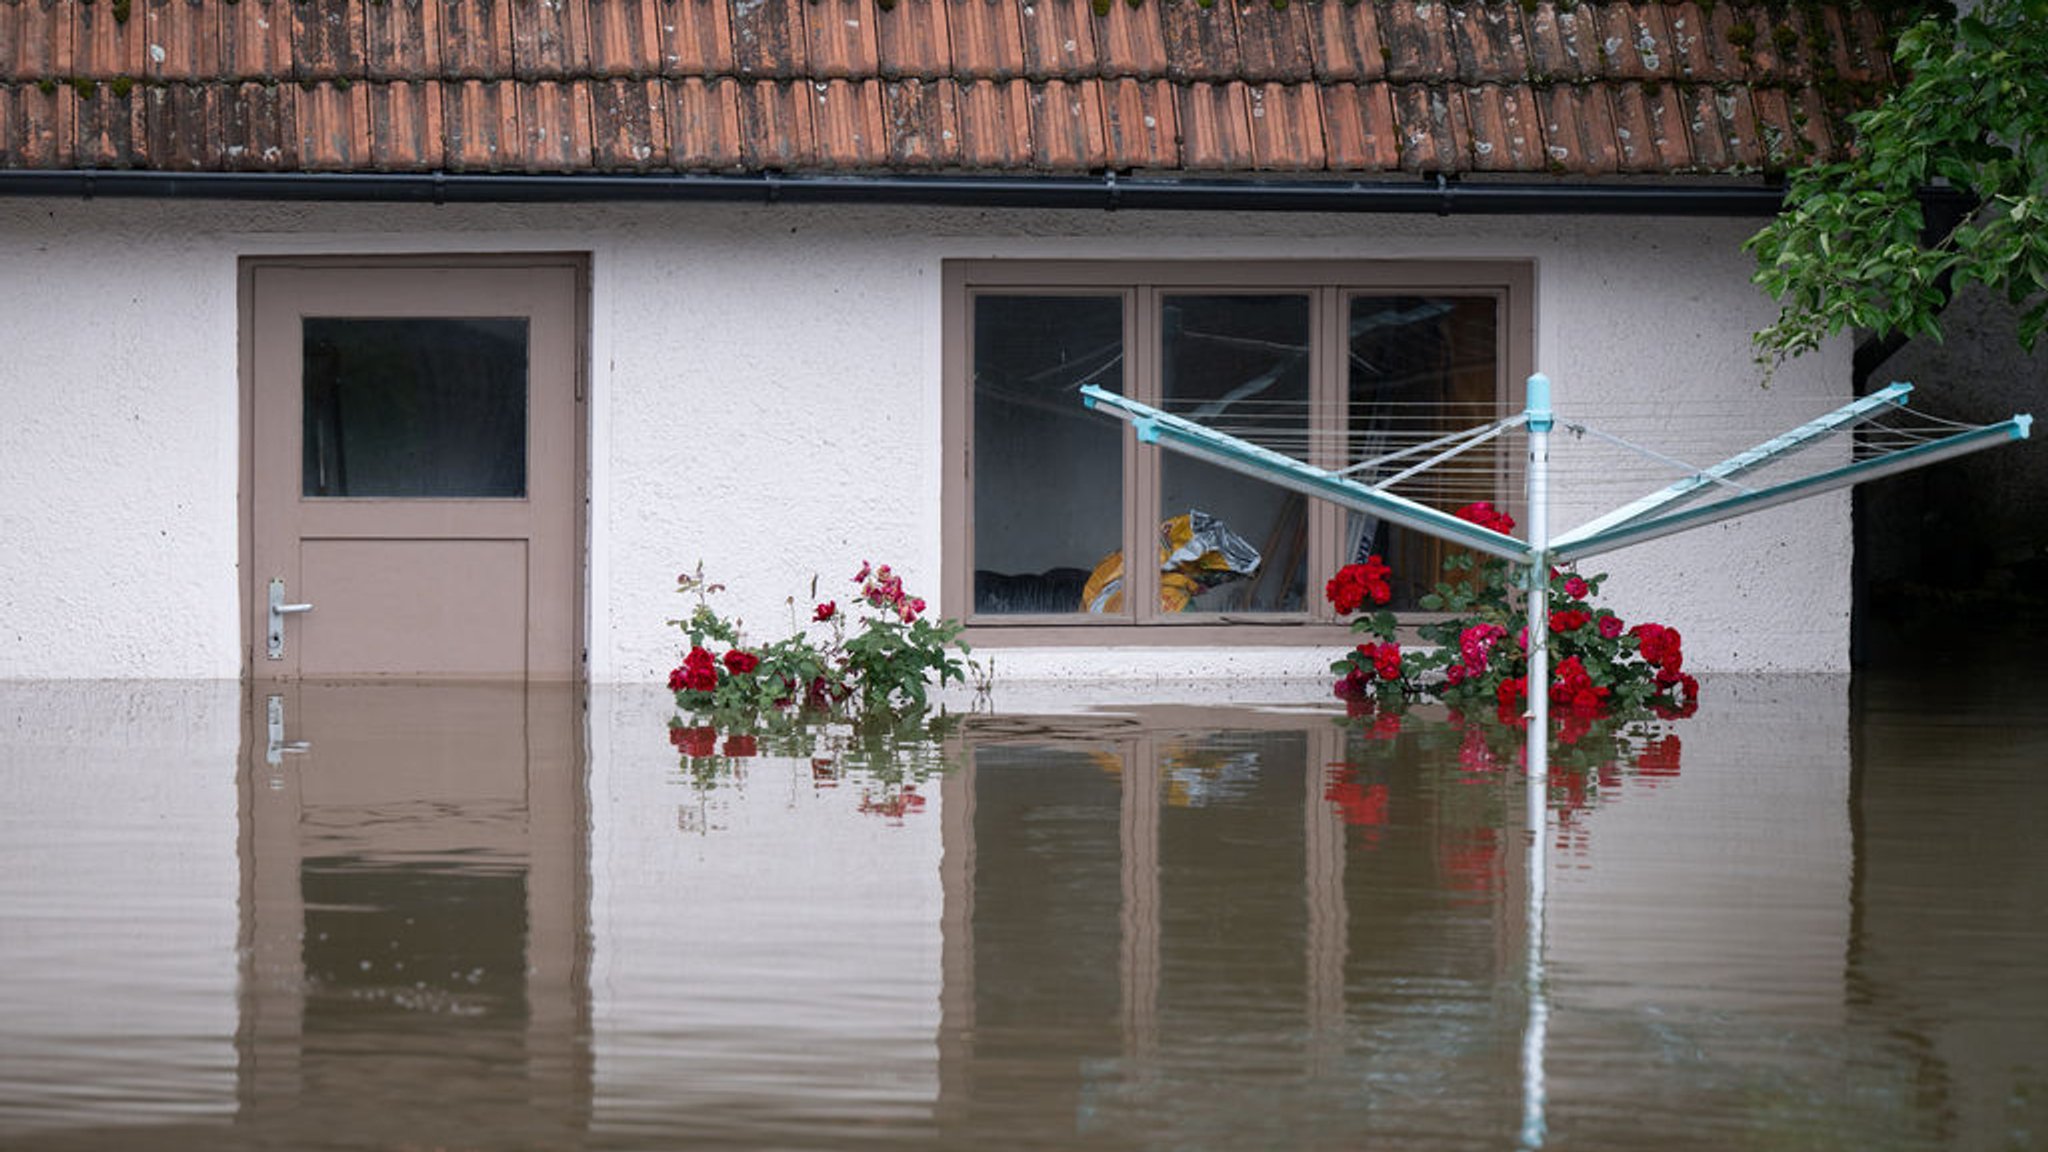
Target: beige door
(414, 475)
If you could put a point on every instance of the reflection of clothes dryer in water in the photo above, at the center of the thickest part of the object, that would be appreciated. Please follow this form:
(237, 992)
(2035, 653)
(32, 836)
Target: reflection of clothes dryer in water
(1197, 552)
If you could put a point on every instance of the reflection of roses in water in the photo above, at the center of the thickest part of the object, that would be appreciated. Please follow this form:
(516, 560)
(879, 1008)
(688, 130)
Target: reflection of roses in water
(701, 740)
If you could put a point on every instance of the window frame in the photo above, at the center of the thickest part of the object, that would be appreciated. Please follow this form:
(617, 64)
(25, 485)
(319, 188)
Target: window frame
(1331, 285)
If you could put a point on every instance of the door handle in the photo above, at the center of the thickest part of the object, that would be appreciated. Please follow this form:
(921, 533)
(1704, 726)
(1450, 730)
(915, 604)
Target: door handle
(278, 611)
(274, 751)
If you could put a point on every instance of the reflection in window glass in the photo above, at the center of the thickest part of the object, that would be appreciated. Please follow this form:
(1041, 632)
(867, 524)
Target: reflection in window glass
(1048, 473)
(1238, 364)
(1420, 367)
(420, 407)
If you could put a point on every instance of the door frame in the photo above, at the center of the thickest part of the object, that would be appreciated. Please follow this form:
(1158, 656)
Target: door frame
(245, 366)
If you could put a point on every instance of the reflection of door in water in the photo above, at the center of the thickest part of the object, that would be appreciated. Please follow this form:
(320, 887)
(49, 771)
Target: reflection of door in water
(414, 470)
(415, 917)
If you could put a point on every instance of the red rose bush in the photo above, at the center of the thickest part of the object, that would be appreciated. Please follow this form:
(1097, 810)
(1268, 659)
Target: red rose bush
(1599, 665)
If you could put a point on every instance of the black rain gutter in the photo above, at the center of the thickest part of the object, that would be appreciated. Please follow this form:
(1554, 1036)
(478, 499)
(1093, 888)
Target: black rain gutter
(1438, 195)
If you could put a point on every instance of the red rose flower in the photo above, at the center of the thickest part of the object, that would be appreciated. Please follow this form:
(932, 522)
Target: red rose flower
(675, 680)
(826, 611)
(1610, 626)
(1568, 620)
(1356, 585)
(739, 662)
(700, 671)
(1486, 515)
(1576, 587)
(1512, 693)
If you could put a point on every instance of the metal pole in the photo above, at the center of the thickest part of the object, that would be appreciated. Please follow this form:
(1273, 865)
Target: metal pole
(1536, 618)
(1536, 610)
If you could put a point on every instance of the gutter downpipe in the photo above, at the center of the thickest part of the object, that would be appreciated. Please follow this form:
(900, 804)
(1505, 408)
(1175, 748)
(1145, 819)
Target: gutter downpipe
(1435, 195)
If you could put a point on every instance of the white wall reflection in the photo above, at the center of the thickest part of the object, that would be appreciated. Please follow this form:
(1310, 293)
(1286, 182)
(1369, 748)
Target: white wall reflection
(118, 904)
(765, 958)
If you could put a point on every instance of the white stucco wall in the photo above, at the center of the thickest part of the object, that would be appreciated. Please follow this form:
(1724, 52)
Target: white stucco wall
(765, 397)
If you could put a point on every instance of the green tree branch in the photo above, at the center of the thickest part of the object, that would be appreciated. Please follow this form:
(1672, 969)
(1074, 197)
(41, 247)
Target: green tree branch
(1848, 251)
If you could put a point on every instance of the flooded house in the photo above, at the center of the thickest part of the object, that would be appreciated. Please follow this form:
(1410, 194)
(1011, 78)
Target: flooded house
(784, 286)
(370, 371)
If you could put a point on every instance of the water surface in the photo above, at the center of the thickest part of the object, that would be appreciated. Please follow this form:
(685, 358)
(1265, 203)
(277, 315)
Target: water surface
(385, 916)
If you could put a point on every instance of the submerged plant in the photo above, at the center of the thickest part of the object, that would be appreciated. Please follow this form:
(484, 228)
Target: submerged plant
(1600, 666)
(876, 656)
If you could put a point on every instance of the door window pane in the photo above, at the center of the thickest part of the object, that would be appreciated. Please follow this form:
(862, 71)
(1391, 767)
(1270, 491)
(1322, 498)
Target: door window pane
(1238, 364)
(1048, 473)
(1420, 367)
(415, 407)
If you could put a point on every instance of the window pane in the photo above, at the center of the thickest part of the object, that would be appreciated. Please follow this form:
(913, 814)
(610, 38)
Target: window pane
(1238, 364)
(1048, 473)
(1420, 367)
(419, 407)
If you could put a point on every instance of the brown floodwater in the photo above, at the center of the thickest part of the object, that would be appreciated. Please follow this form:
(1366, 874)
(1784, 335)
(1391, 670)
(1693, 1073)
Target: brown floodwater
(1814, 915)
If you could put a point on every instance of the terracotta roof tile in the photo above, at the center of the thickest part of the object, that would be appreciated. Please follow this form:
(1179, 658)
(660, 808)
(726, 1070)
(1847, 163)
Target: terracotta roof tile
(1130, 40)
(923, 121)
(1564, 43)
(1141, 124)
(327, 39)
(1649, 126)
(1344, 41)
(105, 47)
(258, 126)
(1215, 128)
(180, 39)
(1724, 129)
(476, 38)
(481, 119)
(1059, 39)
(914, 40)
(1287, 128)
(550, 38)
(1693, 44)
(1539, 87)
(1635, 41)
(176, 135)
(1358, 121)
(1436, 132)
(988, 41)
(1491, 43)
(1856, 45)
(625, 37)
(1417, 41)
(1506, 128)
(554, 123)
(1778, 51)
(110, 131)
(696, 37)
(1201, 43)
(1273, 43)
(35, 128)
(402, 40)
(995, 124)
(847, 119)
(1067, 131)
(334, 125)
(1578, 129)
(628, 128)
(704, 129)
(839, 38)
(776, 131)
(406, 129)
(35, 39)
(767, 37)
(256, 39)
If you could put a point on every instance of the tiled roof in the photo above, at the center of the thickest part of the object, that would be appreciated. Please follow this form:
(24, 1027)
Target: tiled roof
(1233, 87)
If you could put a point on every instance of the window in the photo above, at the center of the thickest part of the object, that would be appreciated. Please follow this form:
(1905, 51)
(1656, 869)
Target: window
(1327, 362)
